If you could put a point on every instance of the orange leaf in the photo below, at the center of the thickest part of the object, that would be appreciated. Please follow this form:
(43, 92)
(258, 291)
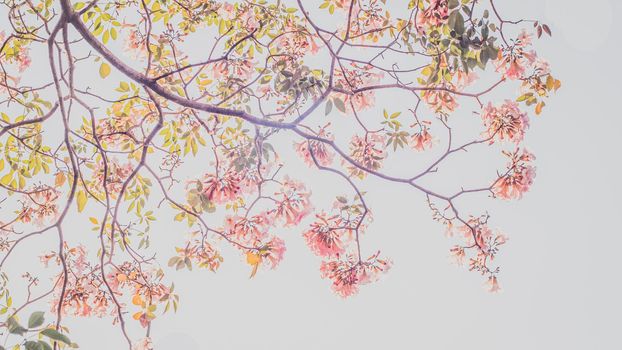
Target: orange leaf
(137, 300)
(252, 258)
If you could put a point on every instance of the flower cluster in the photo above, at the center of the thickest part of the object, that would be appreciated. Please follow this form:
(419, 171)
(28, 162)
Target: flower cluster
(321, 153)
(220, 188)
(196, 250)
(435, 13)
(198, 131)
(506, 122)
(110, 177)
(348, 275)
(293, 202)
(514, 59)
(326, 235)
(369, 152)
(422, 140)
(39, 205)
(353, 77)
(480, 238)
(519, 176)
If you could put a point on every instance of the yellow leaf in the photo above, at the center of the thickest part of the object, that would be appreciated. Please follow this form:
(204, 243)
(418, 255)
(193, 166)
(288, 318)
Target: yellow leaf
(255, 267)
(81, 199)
(104, 70)
(93, 220)
(6, 179)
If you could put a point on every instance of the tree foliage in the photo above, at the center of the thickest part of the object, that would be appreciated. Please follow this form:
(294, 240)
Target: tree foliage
(131, 113)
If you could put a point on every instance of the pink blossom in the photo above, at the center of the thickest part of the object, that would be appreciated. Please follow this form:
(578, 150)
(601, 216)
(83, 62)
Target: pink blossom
(24, 60)
(422, 140)
(321, 153)
(506, 122)
(492, 284)
(434, 15)
(524, 38)
(294, 203)
(276, 250)
(227, 11)
(135, 44)
(368, 152)
(324, 236)
(441, 99)
(348, 275)
(117, 175)
(518, 178)
(221, 188)
(248, 229)
(143, 344)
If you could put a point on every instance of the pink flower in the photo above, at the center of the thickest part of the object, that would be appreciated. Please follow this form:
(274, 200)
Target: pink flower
(477, 232)
(542, 66)
(226, 69)
(135, 44)
(422, 140)
(275, 251)
(492, 284)
(524, 38)
(513, 60)
(294, 203)
(348, 275)
(368, 152)
(344, 277)
(434, 15)
(221, 188)
(440, 98)
(324, 237)
(249, 19)
(321, 153)
(45, 259)
(296, 42)
(227, 11)
(24, 60)
(458, 254)
(143, 344)
(506, 122)
(512, 186)
(355, 77)
(465, 79)
(40, 205)
(250, 229)
(117, 175)
(518, 178)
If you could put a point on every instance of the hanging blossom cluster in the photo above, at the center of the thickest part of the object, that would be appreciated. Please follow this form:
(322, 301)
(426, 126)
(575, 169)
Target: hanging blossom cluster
(137, 117)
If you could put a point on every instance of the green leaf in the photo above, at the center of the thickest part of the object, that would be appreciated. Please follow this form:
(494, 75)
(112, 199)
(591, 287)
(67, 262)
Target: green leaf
(55, 335)
(340, 105)
(104, 70)
(329, 107)
(14, 327)
(32, 345)
(36, 319)
(44, 345)
(459, 25)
